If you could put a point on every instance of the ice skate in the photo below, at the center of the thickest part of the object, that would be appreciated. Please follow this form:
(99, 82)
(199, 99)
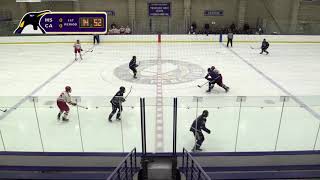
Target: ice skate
(209, 90)
(196, 149)
(58, 116)
(226, 88)
(193, 149)
(109, 118)
(65, 119)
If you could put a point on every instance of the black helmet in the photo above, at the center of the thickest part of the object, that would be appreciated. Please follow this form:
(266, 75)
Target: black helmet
(209, 69)
(133, 57)
(68, 89)
(122, 89)
(205, 113)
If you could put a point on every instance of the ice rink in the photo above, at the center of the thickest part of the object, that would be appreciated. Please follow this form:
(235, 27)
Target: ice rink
(263, 120)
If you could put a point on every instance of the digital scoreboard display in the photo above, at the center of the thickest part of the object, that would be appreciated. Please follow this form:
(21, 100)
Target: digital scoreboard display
(74, 22)
(89, 22)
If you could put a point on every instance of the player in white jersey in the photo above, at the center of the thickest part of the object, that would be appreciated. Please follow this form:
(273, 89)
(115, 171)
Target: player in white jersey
(77, 49)
(62, 101)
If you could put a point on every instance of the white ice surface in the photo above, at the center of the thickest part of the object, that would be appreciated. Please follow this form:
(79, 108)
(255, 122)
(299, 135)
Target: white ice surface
(27, 69)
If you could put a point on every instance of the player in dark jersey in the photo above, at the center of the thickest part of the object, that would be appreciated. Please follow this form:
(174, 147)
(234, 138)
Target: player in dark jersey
(197, 126)
(116, 103)
(133, 66)
(213, 77)
(264, 46)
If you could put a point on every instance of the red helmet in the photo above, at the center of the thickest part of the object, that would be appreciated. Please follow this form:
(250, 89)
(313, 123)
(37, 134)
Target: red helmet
(68, 89)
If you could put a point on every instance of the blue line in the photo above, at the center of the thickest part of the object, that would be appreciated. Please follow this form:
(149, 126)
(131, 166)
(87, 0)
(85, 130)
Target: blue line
(34, 91)
(301, 103)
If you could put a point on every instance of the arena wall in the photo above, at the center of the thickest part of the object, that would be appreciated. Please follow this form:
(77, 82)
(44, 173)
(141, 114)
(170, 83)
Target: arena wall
(154, 39)
(229, 7)
(281, 16)
(120, 7)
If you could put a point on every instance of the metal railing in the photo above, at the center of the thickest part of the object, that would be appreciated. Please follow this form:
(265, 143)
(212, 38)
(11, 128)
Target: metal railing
(127, 168)
(191, 168)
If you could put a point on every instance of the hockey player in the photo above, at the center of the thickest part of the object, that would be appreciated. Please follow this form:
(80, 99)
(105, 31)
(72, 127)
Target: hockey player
(264, 46)
(116, 103)
(213, 77)
(63, 100)
(230, 38)
(77, 49)
(96, 38)
(197, 126)
(133, 65)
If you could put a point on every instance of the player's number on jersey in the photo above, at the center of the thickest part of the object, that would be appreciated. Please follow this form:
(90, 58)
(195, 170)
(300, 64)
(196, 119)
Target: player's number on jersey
(97, 22)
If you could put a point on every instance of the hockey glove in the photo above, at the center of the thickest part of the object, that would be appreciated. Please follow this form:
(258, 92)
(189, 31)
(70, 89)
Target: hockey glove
(207, 130)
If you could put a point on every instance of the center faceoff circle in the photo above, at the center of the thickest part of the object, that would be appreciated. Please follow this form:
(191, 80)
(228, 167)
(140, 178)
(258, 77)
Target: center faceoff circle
(169, 71)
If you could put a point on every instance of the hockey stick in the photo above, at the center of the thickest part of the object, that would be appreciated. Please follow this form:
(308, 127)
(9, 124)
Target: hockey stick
(84, 107)
(128, 93)
(200, 86)
(85, 52)
(88, 50)
(3, 110)
(253, 47)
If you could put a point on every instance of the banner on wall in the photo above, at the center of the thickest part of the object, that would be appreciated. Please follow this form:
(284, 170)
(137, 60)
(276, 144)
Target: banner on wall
(159, 9)
(110, 12)
(213, 12)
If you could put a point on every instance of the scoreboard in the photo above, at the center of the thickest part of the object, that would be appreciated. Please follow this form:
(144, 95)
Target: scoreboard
(48, 22)
(74, 22)
(92, 22)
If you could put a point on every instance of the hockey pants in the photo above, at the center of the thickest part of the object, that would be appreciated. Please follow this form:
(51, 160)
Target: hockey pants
(114, 110)
(199, 139)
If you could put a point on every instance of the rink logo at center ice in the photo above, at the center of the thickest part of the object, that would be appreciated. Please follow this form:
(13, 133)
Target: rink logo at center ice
(172, 72)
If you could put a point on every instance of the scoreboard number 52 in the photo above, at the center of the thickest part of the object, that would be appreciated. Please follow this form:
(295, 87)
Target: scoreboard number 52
(91, 22)
(97, 22)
